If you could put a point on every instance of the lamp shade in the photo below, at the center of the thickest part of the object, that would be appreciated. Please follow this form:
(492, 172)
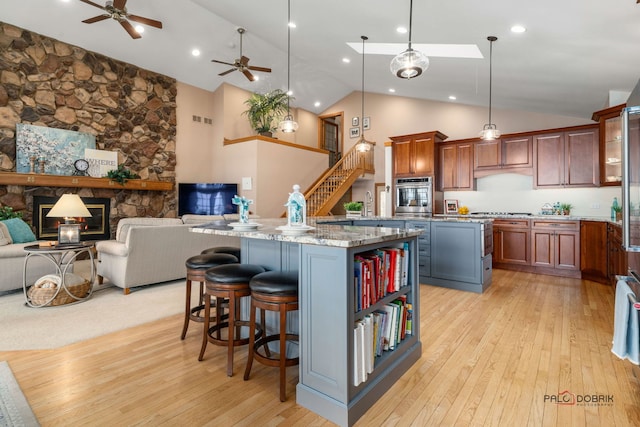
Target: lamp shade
(409, 64)
(288, 125)
(69, 206)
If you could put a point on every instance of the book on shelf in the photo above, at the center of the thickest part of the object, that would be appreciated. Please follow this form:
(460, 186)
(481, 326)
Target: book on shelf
(409, 324)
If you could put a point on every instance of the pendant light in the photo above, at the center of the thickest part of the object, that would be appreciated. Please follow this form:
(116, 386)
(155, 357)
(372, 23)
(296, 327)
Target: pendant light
(410, 63)
(363, 145)
(490, 132)
(288, 125)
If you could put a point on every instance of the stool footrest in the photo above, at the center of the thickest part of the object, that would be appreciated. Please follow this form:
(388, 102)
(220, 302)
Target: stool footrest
(273, 361)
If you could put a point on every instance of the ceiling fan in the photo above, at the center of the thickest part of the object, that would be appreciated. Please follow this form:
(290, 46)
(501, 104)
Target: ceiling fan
(116, 9)
(242, 64)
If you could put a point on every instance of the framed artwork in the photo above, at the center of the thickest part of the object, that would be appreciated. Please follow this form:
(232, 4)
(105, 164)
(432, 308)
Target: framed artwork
(354, 121)
(366, 123)
(451, 206)
(58, 149)
(354, 132)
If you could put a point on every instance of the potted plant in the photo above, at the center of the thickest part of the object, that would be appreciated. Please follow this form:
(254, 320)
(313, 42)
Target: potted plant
(7, 212)
(122, 175)
(618, 211)
(265, 109)
(565, 208)
(354, 209)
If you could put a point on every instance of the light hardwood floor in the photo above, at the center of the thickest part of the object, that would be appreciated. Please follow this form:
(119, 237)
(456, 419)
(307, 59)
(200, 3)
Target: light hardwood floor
(487, 360)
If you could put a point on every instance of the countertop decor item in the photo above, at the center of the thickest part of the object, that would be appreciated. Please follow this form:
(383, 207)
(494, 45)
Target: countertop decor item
(353, 209)
(243, 207)
(296, 208)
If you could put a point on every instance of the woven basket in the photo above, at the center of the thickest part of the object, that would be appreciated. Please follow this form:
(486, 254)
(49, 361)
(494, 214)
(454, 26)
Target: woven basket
(45, 287)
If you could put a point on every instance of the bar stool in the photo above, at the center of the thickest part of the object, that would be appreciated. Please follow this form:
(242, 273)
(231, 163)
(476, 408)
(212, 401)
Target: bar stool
(274, 291)
(196, 267)
(232, 250)
(229, 281)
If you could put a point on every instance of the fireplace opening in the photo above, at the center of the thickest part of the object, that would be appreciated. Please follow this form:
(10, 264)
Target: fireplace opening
(95, 227)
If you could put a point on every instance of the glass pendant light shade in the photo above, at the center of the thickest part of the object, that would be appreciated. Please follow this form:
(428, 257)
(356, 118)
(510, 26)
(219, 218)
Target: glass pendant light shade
(409, 64)
(363, 145)
(288, 125)
(490, 131)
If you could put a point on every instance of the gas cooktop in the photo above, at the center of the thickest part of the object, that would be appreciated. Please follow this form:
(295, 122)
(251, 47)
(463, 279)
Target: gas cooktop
(502, 213)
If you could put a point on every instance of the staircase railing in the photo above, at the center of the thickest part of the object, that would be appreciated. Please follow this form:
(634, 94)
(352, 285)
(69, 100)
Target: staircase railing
(323, 195)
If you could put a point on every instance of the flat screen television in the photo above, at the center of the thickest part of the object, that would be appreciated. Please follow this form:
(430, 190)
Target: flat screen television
(206, 198)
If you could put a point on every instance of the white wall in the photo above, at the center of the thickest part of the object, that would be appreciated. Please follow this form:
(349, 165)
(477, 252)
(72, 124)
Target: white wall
(511, 192)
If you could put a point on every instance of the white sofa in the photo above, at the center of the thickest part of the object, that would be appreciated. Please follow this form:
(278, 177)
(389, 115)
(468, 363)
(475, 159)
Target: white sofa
(154, 250)
(12, 266)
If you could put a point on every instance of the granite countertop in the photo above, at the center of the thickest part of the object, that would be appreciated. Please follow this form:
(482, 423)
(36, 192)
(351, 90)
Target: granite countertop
(322, 234)
(436, 218)
(535, 216)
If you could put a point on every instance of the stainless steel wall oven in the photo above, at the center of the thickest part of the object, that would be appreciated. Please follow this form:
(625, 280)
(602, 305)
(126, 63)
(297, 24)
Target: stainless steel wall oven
(414, 196)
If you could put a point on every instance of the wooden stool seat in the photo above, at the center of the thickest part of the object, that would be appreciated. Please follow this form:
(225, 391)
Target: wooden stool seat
(230, 281)
(196, 267)
(273, 291)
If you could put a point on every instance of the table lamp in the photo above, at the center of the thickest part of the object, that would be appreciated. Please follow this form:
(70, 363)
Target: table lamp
(69, 207)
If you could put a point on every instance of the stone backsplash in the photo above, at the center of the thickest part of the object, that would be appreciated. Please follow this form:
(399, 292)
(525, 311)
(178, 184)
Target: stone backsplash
(130, 110)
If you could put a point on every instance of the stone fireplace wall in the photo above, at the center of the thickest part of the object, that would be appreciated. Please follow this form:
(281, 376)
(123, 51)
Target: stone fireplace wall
(132, 111)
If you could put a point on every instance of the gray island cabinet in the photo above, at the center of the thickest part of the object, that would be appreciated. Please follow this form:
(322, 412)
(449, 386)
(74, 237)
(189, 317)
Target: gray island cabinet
(328, 314)
(453, 252)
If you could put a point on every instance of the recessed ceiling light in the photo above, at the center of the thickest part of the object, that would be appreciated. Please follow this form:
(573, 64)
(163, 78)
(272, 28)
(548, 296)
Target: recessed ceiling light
(518, 29)
(316, 104)
(256, 77)
(402, 30)
(289, 92)
(346, 60)
(292, 25)
(452, 97)
(195, 52)
(139, 29)
(392, 90)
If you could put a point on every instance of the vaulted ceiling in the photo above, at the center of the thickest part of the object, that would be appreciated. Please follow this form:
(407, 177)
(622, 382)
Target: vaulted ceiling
(574, 54)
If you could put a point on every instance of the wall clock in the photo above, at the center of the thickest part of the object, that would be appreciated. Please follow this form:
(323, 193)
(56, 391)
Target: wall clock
(81, 166)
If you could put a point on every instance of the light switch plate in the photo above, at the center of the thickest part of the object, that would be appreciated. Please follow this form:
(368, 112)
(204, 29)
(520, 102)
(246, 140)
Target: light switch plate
(246, 183)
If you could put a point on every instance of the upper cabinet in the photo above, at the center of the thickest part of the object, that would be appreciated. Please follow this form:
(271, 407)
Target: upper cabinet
(414, 155)
(455, 167)
(610, 144)
(506, 153)
(567, 159)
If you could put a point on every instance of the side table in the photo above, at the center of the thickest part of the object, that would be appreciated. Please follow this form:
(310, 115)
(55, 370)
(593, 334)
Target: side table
(61, 257)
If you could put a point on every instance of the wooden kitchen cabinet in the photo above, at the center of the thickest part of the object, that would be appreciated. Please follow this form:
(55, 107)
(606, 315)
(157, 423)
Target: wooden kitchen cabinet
(455, 166)
(567, 159)
(555, 244)
(414, 155)
(511, 242)
(594, 251)
(610, 124)
(617, 257)
(506, 153)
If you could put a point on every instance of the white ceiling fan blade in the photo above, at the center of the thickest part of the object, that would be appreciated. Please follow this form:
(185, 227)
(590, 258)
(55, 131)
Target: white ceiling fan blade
(442, 50)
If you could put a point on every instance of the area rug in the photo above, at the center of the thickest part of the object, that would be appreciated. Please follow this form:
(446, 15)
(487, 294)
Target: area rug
(14, 408)
(107, 310)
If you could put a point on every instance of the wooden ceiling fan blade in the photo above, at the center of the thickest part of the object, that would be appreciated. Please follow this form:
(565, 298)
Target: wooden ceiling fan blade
(146, 21)
(248, 75)
(224, 73)
(244, 60)
(263, 69)
(222, 62)
(93, 4)
(119, 4)
(127, 26)
(96, 19)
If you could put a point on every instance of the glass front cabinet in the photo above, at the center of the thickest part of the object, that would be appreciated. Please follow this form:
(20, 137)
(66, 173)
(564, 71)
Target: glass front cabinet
(610, 144)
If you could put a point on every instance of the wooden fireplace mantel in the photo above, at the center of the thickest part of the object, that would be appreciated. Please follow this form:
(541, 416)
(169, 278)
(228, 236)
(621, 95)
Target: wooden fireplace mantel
(43, 180)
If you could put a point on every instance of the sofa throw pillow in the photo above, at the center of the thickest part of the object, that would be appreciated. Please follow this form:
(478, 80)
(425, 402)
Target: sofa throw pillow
(19, 230)
(5, 236)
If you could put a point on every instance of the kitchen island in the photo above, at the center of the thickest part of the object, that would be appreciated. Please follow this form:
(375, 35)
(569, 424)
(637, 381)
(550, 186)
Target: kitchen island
(331, 381)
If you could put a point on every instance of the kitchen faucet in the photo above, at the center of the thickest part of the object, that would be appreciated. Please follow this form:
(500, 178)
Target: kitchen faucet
(368, 204)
